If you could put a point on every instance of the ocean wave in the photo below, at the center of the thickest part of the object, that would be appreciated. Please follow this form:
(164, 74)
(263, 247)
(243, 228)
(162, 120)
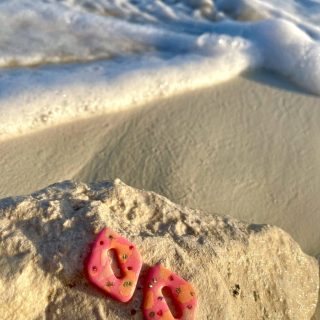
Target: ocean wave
(147, 49)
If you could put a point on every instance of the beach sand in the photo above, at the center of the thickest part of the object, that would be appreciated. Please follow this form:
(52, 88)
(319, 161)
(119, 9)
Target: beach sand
(249, 147)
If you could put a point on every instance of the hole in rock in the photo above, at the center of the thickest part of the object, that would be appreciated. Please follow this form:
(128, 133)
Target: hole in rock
(172, 303)
(115, 264)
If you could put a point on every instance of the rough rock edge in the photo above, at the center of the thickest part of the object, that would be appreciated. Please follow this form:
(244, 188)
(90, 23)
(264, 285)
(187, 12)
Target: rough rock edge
(46, 236)
(317, 313)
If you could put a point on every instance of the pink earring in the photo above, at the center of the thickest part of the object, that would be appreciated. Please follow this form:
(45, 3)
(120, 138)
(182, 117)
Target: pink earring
(162, 283)
(99, 266)
(166, 295)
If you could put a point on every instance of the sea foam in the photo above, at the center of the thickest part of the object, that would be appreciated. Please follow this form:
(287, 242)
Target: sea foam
(63, 60)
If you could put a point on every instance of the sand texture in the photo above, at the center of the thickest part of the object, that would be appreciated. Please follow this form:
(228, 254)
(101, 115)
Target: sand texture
(239, 270)
(249, 147)
(317, 313)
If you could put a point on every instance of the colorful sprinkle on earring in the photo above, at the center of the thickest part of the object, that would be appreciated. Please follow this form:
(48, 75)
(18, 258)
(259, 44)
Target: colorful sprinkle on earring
(121, 285)
(167, 296)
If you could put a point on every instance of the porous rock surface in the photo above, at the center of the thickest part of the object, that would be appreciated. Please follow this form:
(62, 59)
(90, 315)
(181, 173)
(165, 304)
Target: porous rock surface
(317, 313)
(240, 271)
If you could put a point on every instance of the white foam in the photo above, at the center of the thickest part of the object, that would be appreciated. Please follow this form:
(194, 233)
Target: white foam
(61, 94)
(289, 51)
(151, 49)
(303, 13)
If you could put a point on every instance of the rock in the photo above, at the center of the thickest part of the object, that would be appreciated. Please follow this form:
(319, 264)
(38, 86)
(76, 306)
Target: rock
(240, 271)
(317, 313)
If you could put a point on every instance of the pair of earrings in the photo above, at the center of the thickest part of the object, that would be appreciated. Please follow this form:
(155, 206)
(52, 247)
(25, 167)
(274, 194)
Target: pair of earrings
(160, 282)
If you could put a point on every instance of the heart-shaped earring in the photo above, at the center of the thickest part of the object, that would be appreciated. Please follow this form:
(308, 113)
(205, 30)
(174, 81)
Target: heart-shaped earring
(164, 290)
(119, 285)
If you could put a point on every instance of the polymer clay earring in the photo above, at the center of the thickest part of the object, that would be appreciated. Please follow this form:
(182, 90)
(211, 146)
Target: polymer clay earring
(162, 283)
(119, 285)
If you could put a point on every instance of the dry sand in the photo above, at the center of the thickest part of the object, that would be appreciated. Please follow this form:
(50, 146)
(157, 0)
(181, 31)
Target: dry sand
(249, 148)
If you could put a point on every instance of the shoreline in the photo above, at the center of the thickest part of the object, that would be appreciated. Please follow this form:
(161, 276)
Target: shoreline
(248, 147)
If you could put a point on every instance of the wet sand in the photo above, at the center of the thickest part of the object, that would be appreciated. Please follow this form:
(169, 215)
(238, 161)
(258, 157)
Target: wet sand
(249, 148)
